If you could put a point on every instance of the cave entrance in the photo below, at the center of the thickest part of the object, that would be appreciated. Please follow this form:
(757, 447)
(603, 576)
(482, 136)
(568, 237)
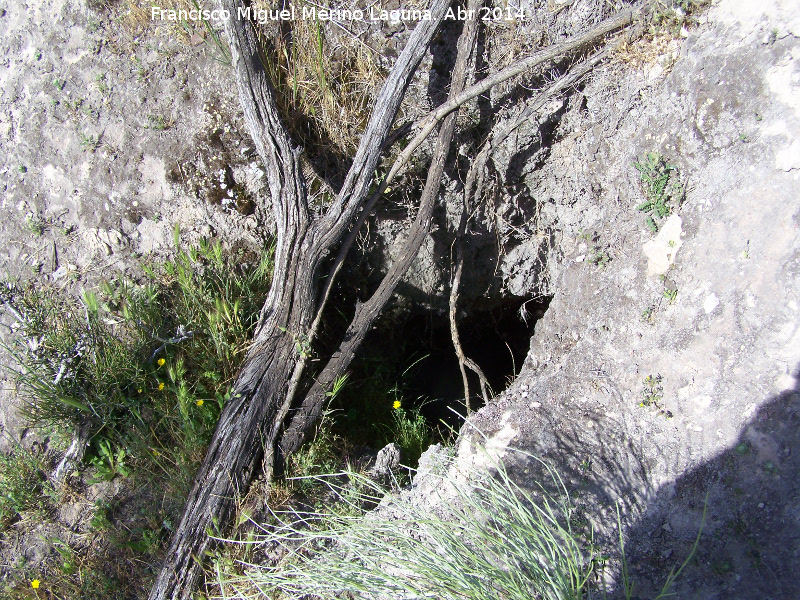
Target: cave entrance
(409, 358)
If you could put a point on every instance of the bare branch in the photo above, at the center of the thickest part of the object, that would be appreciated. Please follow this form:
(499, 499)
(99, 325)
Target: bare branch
(427, 124)
(367, 312)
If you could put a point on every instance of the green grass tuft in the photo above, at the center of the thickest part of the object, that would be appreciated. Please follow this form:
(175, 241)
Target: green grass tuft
(487, 538)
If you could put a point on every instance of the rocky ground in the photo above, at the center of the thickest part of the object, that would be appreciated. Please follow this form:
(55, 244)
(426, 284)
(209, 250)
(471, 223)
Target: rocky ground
(663, 376)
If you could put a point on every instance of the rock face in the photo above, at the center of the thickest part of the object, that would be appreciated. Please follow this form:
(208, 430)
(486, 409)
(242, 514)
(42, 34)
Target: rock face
(664, 376)
(110, 138)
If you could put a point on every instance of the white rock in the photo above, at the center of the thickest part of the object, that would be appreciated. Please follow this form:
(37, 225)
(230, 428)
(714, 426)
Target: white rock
(710, 303)
(662, 250)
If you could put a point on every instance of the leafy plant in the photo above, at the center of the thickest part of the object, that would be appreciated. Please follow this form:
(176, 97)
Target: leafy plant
(35, 224)
(653, 390)
(108, 464)
(649, 314)
(662, 187)
(144, 369)
(652, 394)
(317, 456)
(147, 365)
(159, 122)
(102, 84)
(88, 143)
(598, 251)
(411, 432)
(68, 562)
(671, 294)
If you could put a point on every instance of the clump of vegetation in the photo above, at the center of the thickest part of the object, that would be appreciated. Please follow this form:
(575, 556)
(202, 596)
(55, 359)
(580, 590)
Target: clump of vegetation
(21, 483)
(669, 16)
(662, 186)
(599, 254)
(482, 535)
(652, 393)
(140, 372)
(411, 431)
(486, 539)
(140, 362)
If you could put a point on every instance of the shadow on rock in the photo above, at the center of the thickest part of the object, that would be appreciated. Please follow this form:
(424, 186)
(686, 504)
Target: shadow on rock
(750, 544)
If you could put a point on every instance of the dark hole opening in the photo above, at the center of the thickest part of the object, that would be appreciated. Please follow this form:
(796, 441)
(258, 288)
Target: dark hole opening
(409, 358)
(497, 340)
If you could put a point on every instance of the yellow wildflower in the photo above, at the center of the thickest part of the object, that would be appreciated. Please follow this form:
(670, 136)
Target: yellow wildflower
(35, 584)
(199, 403)
(160, 386)
(139, 390)
(396, 404)
(161, 362)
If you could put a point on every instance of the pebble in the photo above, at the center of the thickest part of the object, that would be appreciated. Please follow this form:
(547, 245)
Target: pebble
(535, 405)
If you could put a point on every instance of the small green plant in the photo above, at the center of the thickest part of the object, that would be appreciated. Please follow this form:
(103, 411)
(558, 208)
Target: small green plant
(88, 143)
(102, 84)
(92, 25)
(59, 84)
(35, 224)
(22, 169)
(600, 257)
(317, 456)
(671, 294)
(598, 252)
(68, 560)
(662, 187)
(338, 386)
(147, 541)
(21, 482)
(652, 393)
(745, 254)
(411, 432)
(101, 517)
(158, 123)
(108, 463)
(649, 314)
(302, 343)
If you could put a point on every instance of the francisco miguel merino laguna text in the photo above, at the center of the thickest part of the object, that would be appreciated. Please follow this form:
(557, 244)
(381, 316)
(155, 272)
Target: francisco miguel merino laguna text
(263, 16)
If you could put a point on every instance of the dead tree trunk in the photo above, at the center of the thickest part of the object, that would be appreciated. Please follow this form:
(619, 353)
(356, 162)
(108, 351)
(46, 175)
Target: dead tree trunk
(247, 420)
(254, 420)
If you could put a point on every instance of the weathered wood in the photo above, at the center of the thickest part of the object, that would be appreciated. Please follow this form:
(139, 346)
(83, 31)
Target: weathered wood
(263, 394)
(366, 313)
(425, 125)
(248, 419)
